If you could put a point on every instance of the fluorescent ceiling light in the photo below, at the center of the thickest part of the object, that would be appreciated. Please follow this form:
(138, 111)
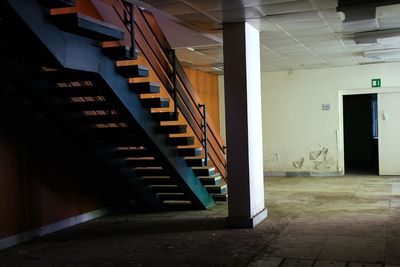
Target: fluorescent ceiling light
(386, 54)
(373, 36)
(391, 11)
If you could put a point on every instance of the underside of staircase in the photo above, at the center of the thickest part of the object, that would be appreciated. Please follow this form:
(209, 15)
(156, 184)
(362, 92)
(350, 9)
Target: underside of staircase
(56, 62)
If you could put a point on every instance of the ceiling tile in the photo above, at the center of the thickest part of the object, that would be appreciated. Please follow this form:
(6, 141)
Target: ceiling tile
(212, 5)
(285, 7)
(236, 14)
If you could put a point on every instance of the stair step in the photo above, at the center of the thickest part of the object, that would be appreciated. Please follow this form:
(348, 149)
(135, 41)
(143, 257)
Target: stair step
(189, 151)
(61, 76)
(88, 27)
(57, 3)
(158, 180)
(95, 119)
(165, 116)
(212, 189)
(204, 171)
(166, 189)
(195, 162)
(215, 179)
(173, 129)
(220, 197)
(145, 88)
(139, 152)
(172, 196)
(118, 53)
(142, 163)
(111, 132)
(155, 102)
(152, 171)
(87, 106)
(120, 141)
(181, 141)
(132, 71)
(79, 91)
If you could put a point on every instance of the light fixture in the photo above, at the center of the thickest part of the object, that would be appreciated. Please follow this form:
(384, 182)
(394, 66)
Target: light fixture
(356, 10)
(372, 37)
(385, 54)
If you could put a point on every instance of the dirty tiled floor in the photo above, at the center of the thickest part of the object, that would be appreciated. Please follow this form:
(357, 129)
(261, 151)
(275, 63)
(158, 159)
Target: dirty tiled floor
(313, 221)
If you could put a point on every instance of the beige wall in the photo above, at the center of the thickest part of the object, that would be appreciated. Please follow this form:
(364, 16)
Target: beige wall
(294, 124)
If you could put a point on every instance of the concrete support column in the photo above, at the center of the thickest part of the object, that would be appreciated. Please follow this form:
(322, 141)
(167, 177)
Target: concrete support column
(243, 125)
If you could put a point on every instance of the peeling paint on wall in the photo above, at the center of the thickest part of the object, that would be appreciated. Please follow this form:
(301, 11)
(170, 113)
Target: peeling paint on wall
(321, 159)
(298, 164)
(314, 155)
(273, 158)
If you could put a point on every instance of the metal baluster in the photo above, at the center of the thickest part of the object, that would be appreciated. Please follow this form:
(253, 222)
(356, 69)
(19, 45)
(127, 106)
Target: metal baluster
(130, 22)
(174, 82)
(205, 140)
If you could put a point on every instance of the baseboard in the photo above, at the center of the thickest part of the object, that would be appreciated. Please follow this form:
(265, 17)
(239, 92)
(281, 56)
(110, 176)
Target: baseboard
(51, 228)
(244, 222)
(302, 174)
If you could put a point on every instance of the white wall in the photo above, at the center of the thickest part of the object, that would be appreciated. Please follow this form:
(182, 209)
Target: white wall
(294, 124)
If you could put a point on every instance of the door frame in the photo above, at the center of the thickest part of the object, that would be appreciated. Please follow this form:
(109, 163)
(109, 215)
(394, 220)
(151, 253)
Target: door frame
(340, 131)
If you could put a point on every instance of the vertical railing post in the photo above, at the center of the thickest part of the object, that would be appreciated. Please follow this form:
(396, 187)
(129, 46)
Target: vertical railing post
(205, 140)
(173, 55)
(130, 22)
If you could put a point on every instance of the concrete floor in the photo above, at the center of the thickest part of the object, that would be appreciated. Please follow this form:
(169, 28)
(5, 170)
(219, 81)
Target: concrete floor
(313, 221)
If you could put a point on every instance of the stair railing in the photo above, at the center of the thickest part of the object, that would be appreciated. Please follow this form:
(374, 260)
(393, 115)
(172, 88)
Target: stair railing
(205, 140)
(161, 57)
(129, 21)
(174, 59)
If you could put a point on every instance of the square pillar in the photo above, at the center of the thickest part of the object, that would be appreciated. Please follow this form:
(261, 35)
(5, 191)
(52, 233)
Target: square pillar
(242, 78)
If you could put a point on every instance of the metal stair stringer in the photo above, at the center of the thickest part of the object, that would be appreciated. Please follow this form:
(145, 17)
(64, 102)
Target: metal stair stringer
(69, 50)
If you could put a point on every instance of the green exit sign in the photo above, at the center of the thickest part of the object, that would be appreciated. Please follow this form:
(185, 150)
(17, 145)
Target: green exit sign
(376, 82)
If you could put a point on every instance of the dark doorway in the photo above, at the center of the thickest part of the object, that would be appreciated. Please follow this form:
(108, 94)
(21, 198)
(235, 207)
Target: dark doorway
(360, 134)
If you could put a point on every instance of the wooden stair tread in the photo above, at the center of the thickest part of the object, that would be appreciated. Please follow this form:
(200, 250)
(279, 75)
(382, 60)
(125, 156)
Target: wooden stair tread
(57, 3)
(118, 53)
(220, 197)
(165, 116)
(173, 129)
(155, 102)
(189, 151)
(145, 87)
(88, 27)
(132, 71)
(181, 141)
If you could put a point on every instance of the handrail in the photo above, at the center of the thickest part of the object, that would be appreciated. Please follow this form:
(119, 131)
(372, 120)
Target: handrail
(160, 56)
(181, 72)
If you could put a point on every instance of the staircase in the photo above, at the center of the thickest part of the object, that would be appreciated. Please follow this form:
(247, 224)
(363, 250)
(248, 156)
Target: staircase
(101, 106)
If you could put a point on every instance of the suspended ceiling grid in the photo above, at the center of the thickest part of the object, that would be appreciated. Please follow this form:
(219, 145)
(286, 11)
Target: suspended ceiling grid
(295, 34)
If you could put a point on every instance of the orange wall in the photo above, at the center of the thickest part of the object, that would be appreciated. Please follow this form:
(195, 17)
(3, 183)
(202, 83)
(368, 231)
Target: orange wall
(206, 85)
(87, 8)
